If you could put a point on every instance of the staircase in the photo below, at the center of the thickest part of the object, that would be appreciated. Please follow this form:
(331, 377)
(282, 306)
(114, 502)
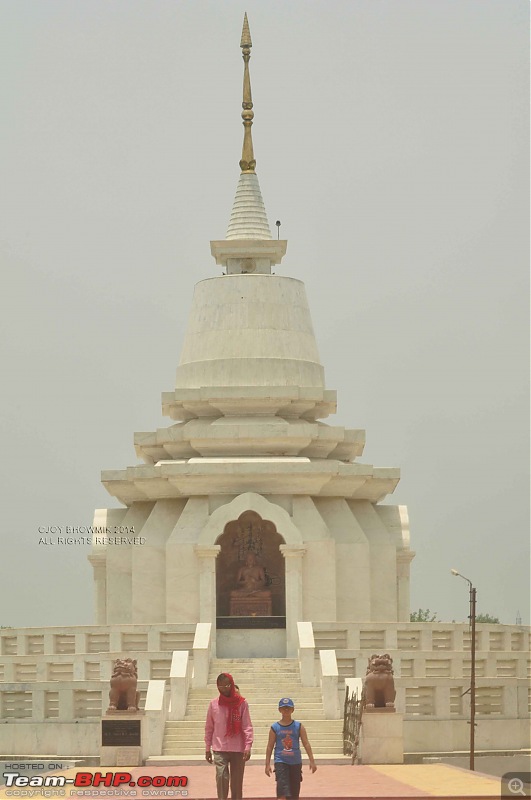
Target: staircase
(262, 681)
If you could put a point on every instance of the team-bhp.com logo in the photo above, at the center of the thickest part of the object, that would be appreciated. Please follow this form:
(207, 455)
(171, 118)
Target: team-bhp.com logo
(21, 785)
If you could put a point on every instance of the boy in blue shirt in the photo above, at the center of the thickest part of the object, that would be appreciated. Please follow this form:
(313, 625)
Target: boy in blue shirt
(285, 736)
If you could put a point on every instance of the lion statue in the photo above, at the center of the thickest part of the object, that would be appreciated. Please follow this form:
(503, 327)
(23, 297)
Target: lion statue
(379, 686)
(123, 695)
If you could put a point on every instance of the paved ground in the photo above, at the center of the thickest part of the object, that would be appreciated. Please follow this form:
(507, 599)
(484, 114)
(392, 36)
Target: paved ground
(330, 781)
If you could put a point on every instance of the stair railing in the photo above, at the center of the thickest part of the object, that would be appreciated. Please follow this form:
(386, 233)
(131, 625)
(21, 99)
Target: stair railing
(352, 718)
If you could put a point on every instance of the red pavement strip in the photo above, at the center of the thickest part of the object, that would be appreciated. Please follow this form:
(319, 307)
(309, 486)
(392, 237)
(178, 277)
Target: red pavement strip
(330, 782)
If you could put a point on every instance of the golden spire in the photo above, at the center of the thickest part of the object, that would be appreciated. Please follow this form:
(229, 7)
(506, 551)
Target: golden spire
(248, 163)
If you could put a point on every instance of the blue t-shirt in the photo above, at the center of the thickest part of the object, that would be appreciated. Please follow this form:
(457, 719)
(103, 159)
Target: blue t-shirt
(287, 745)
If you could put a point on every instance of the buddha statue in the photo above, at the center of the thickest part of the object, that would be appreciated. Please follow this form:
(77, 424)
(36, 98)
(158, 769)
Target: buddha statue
(251, 577)
(251, 593)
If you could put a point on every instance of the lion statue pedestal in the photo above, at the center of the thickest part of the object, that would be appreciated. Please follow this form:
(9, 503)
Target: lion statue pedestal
(122, 723)
(382, 736)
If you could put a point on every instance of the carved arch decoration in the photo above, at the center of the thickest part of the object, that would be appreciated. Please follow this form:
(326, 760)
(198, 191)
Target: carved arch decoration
(250, 501)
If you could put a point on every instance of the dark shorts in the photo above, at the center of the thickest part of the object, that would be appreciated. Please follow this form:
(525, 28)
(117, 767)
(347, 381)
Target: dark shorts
(288, 778)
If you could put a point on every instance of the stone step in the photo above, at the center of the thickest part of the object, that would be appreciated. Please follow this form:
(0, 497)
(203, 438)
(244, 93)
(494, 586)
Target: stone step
(193, 740)
(316, 741)
(262, 682)
(254, 671)
(288, 663)
(186, 728)
(270, 678)
(314, 728)
(257, 758)
(200, 751)
(262, 700)
(261, 703)
(272, 692)
(269, 708)
(258, 681)
(268, 663)
(254, 667)
(259, 661)
(265, 712)
(258, 678)
(331, 745)
(261, 719)
(191, 727)
(261, 691)
(251, 669)
(197, 740)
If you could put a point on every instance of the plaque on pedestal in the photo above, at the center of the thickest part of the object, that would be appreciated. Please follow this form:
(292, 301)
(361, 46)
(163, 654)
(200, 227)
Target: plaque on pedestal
(121, 731)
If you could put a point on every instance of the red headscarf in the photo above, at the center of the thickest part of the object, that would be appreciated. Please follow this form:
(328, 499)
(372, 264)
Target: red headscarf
(233, 702)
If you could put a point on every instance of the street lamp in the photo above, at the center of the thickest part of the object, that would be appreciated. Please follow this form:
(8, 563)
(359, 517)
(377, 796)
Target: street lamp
(472, 663)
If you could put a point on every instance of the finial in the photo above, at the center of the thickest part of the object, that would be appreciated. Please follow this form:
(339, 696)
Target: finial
(246, 33)
(247, 163)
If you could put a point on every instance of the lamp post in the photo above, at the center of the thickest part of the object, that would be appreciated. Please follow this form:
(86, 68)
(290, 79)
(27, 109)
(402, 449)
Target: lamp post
(472, 663)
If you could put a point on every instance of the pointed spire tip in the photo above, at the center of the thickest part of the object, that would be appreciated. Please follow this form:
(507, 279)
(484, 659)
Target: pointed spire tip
(246, 33)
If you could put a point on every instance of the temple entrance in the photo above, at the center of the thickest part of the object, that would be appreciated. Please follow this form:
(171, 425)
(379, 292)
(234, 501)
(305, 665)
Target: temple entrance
(250, 575)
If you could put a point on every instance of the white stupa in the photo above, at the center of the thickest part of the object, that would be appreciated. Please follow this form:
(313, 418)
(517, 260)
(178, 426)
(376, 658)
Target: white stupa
(247, 465)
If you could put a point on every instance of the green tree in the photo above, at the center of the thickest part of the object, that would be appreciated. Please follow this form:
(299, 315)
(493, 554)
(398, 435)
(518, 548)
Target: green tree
(487, 618)
(423, 615)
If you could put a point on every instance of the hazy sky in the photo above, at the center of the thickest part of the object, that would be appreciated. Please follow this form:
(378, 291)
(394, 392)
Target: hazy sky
(391, 139)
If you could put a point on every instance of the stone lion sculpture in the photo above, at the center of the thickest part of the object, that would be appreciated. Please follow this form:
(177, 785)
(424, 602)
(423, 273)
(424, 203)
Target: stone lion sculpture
(379, 686)
(123, 695)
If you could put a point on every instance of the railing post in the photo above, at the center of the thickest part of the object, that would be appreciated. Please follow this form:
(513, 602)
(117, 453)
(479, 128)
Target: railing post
(155, 720)
(66, 702)
(179, 683)
(306, 653)
(522, 700)
(509, 699)
(201, 649)
(442, 701)
(400, 699)
(329, 680)
(293, 555)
